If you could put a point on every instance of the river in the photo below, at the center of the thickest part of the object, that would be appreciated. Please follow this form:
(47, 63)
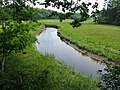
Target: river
(50, 43)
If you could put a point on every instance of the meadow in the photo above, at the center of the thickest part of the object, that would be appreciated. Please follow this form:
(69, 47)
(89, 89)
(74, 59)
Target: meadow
(97, 38)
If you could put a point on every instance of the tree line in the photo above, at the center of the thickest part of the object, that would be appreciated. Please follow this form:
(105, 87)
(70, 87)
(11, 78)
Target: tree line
(50, 14)
(110, 13)
(35, 14)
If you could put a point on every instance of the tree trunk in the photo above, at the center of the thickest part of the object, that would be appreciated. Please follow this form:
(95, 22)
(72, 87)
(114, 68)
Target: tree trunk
(3, 63)
(3, 46)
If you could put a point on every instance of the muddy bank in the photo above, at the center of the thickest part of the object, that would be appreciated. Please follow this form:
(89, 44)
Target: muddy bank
(86, 52)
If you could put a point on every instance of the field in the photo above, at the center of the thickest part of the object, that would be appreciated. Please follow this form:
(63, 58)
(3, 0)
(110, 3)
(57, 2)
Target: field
(30, 70)
(99, 39)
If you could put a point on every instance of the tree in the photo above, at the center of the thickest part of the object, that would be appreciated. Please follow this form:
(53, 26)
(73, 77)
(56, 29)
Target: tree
(15, 35)
(111, 14)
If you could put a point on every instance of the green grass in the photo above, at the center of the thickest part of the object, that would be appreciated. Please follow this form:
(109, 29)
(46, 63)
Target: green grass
(30, 70)
(100, 39)
(34, 71)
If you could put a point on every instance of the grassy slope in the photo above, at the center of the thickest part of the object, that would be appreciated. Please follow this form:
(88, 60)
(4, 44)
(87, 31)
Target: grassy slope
(34, 71)
(101, 39)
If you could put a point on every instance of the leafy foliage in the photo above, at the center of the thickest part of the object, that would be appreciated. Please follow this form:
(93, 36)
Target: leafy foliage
(75, 16)
(15, 37)
(15, 34)
(111, 14)
(75, 23)
(111, 79)
(10, 12)
(95, 15)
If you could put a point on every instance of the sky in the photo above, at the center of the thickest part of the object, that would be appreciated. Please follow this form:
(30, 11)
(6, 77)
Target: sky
(100, 7)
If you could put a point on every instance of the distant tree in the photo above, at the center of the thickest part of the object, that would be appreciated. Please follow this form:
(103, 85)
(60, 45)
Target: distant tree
(111, 13)
(46, 14)
(75, 16)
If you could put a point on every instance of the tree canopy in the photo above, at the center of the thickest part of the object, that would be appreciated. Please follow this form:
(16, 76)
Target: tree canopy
(14, 35)
(110, 13)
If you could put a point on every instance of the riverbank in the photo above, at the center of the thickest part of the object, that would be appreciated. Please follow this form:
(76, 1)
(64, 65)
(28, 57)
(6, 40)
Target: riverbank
(30, 70)
(84, 52)
(102, 40)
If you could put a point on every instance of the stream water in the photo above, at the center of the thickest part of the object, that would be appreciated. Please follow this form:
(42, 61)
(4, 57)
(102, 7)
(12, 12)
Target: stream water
(50, 43)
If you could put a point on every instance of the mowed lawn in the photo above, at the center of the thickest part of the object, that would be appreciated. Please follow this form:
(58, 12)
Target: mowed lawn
(97, 38)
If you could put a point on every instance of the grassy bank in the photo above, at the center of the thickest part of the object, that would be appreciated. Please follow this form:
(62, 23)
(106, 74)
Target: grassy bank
(33, 71)
(100, 39)
(30, 70)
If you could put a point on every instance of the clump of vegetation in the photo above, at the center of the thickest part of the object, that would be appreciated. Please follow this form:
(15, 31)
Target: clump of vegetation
(111, 79)
(110, 13)
(14, 37)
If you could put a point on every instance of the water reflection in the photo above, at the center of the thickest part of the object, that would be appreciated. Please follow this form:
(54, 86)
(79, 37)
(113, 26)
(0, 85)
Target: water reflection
(50, 43)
